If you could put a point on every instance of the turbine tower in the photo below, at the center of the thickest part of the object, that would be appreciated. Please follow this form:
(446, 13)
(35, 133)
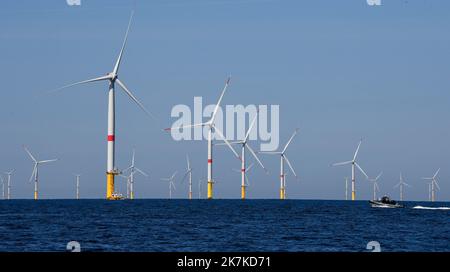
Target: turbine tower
(244, 145)
(112, 79)
(171, 184)
(283, 158)
(434, 185)
(3, 187)
(130, 182)
(375, 185)
(211, 129)
(35, 173)
(188, 174)
(9, 174)
(353, 163)
(401, 185)
(77, 176)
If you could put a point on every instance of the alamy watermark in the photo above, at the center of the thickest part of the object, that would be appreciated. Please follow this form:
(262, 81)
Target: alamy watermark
(234, 118)
(73, 2)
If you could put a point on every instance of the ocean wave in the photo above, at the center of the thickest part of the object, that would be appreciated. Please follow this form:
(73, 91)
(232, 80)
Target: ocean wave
(431, 208)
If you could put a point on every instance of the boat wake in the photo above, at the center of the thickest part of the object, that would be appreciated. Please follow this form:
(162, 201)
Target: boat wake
(431, 208)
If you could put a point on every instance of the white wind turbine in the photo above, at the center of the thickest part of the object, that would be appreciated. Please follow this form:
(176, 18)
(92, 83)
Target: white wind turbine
(401, 185)
(375, 185)
(283, 158)
(3, 187)
(211, 129)
(244, 145)
(77, 179)
(9, 174)
(188, 174)
(112, 79)
(353, 163)
(35, 173)
(434, 185)
(133, 170)
(171, 184)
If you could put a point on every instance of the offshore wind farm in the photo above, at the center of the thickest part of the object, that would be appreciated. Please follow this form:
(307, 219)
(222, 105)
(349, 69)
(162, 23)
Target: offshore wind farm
(216, 102)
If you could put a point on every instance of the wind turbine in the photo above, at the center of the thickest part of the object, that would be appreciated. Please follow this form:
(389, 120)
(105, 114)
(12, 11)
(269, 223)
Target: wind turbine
(401, 184)
(133, 169)
(9, 183)
(188, 174)
(211, 129)
(283, 158)
(3, 187)
(244, 145)
(171, 184)
(127, 178)
(199, 189)
(35, 173)
(112, 79)
(353, 163)
(375, 185)
(77, 176)
(434, 185)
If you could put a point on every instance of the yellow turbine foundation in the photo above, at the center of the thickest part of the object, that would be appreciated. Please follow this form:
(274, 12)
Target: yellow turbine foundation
(243, 192)
(190, 195)
(282, 196)
(353, 195)
(109, 186)
(132, 195)
(210, 189)
(35, 195)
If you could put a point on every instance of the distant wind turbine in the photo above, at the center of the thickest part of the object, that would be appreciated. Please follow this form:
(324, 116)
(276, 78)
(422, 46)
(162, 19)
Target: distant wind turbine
(9, 174)
(77, 179)
(3, 187)
(434, 185)
(188, 173)
(171, 184)
(283, 158)
(244, 145)
(353, 163)
(401, 185)
(375, 185)
(35, 173)
(211, 129)
(133, 170)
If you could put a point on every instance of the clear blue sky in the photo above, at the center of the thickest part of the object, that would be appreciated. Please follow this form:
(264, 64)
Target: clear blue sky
(340, 70)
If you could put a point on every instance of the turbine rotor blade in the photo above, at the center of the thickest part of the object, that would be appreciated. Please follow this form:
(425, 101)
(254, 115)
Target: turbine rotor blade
(290, 140)
(357, 150)
(29, 153)
(119, 59)
(128, 92)
(141, 172)
(228, 143)
(186, 126)
(342, 163)
(45, 161)
(360, 169)
(107, 77)
(34, 171)
(437, 172)
(437, 185)
(290, 166)
(250, 128)
(256, 157)
(220, 100)
(379, 175)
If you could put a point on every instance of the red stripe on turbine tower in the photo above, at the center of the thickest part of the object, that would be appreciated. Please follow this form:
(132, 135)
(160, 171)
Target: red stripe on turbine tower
(210, 161)
(243, 170)
(111, 138)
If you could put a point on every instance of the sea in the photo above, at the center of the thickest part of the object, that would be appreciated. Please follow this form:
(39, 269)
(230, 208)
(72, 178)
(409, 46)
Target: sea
(162, 225)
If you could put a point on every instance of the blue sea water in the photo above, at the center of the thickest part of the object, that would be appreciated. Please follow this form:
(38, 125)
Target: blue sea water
(220, 225)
